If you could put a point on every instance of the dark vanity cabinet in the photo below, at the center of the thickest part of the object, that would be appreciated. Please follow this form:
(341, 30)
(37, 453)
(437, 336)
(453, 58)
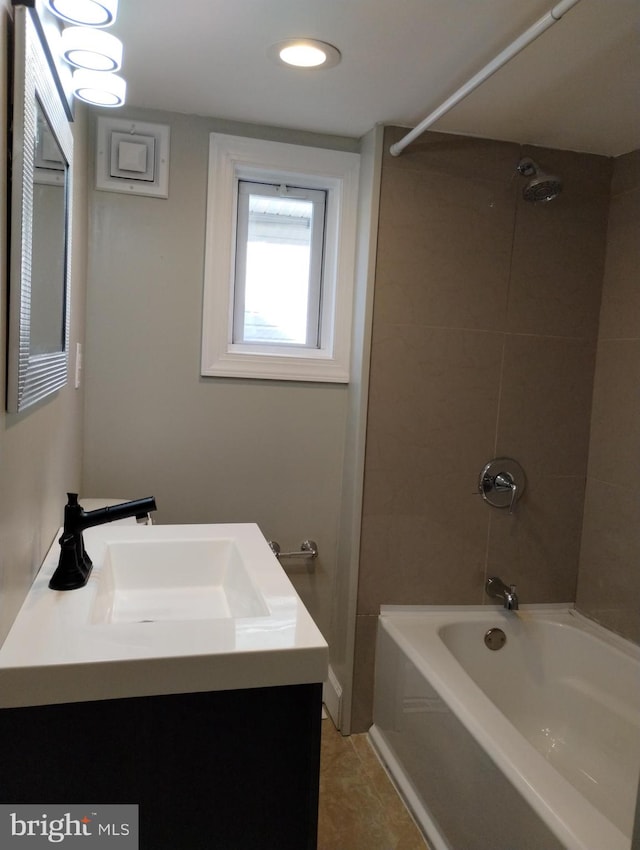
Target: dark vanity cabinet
(222, 770)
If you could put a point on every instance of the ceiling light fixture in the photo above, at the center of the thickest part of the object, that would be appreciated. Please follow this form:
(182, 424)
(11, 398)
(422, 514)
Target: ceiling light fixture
(305, 53)
(98, 88)
(92, 49)
(89, 13)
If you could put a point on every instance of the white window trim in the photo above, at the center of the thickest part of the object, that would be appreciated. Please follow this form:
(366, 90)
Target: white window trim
(235, 157)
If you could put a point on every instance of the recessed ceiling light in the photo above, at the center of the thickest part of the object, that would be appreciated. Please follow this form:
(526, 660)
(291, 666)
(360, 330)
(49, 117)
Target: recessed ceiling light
(305, 53)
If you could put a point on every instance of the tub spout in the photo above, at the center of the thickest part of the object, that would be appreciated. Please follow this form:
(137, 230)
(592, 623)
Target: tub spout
(497, 589)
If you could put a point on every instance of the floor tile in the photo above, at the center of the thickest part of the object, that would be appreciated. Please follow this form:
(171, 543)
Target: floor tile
(359, 807)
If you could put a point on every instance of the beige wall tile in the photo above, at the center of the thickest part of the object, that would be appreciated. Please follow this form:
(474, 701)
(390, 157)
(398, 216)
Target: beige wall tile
(435, 558)
(620, 313)
(364, 660)
(537, 547)
(626, 173)
(456, 380)
(559, 250)
(615, 418)
(456, 156)
(609, 580)
(426, 276)
(432, 420)
(433, 397)
(557, 268)
(545, 402)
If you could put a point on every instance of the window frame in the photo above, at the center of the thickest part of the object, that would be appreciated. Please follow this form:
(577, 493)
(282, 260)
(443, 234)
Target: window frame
(317, 199)
(236, 158)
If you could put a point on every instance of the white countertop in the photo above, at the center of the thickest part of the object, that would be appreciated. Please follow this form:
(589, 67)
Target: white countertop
(54, 653)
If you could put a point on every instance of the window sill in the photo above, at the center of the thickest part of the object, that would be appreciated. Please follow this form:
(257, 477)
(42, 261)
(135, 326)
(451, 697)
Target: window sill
(276, 368)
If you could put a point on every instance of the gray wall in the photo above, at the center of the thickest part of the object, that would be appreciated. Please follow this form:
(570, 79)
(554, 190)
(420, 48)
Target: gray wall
(208, 449)
(484, 338)
(40, 450)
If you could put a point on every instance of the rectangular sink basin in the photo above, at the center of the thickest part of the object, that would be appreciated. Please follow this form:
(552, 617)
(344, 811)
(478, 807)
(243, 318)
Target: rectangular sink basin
(168, 609)
(146, 581)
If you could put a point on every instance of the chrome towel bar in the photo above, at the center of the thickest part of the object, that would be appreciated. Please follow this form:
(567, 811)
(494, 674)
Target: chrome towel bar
(308, 550)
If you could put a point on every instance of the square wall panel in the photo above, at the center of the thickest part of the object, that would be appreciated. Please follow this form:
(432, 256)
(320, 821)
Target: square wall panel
(132, 157)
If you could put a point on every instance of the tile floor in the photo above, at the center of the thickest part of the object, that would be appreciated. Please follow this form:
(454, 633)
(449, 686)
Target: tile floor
(359, 807)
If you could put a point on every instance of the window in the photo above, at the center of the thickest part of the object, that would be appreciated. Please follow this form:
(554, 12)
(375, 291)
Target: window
(278, 271)
(279, 265)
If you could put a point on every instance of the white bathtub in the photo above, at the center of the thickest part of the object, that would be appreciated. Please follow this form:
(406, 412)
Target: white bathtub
(535, 746)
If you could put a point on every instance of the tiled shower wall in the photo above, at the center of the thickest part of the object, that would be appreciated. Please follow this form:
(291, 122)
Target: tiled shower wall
(609, 578)
(484, 340)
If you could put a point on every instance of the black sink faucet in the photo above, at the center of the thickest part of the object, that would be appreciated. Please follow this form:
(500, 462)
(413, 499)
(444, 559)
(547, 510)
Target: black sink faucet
(74, 566)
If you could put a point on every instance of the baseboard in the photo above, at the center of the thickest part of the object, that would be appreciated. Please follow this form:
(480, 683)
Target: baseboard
(332, 697)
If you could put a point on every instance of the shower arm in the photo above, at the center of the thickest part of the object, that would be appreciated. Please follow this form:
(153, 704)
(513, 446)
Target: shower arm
(535, 30)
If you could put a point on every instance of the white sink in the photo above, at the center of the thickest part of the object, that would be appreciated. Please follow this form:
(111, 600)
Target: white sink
(144, 581)
(168, 609)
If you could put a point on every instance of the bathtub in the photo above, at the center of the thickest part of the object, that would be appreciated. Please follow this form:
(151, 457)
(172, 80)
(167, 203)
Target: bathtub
(533, 746)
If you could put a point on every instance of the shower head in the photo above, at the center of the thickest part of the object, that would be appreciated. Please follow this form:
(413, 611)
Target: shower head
(541, 187)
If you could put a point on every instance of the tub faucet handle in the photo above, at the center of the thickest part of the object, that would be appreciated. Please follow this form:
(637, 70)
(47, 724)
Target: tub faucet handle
(505, 481)
(502, 483)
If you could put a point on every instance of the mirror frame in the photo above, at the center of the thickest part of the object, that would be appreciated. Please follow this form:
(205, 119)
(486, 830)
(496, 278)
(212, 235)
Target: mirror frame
(31, 378)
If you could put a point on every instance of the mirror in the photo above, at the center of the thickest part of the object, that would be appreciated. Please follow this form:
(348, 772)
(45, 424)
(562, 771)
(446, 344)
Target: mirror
(39, 266)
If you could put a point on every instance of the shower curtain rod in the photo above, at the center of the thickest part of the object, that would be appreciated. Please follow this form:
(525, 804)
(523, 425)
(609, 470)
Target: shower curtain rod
(546, 21)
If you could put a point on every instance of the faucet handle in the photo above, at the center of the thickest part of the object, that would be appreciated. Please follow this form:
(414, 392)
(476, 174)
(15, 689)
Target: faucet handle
(504, 481)
(501, 483)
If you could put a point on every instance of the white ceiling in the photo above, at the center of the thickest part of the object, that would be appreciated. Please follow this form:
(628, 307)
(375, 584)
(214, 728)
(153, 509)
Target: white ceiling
(576, 87)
